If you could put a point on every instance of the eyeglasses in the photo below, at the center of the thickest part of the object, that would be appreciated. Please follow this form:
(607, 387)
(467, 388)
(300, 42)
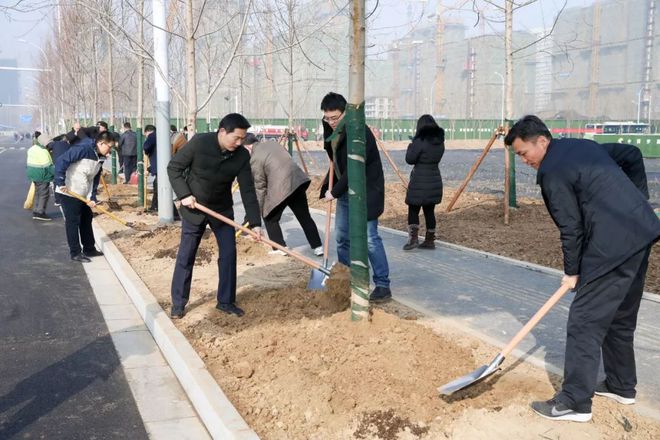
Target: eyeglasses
(332, 119)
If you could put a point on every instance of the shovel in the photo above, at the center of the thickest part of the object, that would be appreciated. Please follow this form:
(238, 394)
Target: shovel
(111, 203)
(105, 211)
(296, 255)
(318, 278)
(486, 370)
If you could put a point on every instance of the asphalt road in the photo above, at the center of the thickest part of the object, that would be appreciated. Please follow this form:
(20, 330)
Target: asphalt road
(61, 376)
(489, 178)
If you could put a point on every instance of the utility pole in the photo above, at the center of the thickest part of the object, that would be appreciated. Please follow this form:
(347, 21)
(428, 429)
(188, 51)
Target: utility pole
(162, 113)
(357, 191)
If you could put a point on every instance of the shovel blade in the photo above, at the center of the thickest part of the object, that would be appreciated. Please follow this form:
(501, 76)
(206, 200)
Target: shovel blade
(472, 378)
(317, 280)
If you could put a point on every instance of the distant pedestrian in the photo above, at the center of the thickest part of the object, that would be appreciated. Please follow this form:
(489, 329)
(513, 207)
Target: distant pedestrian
(58, 147)
(425, 187)
(75, 171)
(597, 196)
(40, 171)
(128, 150)
(101, 127)
(280, 184)
(151, 150)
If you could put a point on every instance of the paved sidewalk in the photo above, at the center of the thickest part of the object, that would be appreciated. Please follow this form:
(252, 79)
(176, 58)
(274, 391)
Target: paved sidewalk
(493, 297)
(163, 404)
(77, 360)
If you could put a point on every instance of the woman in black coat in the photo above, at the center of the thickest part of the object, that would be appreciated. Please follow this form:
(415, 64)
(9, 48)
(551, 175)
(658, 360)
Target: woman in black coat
(425, 188)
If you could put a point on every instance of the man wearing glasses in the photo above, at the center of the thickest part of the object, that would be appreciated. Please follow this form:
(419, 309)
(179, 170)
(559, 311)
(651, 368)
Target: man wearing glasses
(333, 106)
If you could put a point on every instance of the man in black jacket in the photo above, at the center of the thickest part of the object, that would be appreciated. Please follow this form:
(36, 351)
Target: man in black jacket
(597, 196)
(128, 151)
(203, 170)
(333, 106)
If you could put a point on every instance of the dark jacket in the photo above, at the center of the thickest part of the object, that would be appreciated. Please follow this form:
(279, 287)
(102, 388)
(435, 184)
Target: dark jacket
(603, 218)
(151, 150)
(425, 187)
(202, 169)
(128, 143)
(58, 148)
(373, 171)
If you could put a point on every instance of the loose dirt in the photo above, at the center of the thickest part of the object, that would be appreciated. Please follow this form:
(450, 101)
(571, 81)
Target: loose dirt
(296, 366)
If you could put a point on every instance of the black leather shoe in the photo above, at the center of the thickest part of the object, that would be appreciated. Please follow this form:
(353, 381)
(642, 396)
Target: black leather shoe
(177, 313)
(230, 309)
(81, 258)
(380, 295)
(94, 253)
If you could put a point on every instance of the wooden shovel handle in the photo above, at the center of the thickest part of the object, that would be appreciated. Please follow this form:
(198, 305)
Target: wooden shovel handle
(535, 319)
(231, 222)
(104, 211)
(105, 186)
(328, 216)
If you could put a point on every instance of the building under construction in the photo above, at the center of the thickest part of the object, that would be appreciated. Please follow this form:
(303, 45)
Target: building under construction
(600, 62)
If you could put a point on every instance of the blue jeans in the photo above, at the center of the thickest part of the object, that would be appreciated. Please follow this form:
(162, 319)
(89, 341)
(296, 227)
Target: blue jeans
(377, 257)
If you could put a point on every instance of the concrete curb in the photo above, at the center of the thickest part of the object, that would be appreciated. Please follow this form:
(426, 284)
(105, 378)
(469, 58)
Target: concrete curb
(215, 410)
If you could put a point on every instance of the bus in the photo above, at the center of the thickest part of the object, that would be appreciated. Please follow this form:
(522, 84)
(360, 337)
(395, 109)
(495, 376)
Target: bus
(614, 127)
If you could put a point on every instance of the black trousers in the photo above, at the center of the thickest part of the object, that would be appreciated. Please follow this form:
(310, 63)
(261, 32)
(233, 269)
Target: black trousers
(78, 225)
(130, 164)
(429, 215)
(95, 185)
(191, 235)
(297, 201)
(154, 197)
(603, 317)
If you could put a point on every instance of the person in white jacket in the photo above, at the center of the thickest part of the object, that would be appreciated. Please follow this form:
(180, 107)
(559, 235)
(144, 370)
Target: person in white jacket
(75, 171)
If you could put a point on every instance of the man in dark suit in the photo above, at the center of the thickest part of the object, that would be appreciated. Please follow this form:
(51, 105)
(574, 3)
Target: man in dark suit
(597, 196)
(203, 170)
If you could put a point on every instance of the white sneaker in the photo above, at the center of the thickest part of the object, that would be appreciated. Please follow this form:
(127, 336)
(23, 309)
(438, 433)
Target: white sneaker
(277, 252)
(318, 251)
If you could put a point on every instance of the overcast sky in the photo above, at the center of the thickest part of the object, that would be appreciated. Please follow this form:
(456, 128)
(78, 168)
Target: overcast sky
(392, 19)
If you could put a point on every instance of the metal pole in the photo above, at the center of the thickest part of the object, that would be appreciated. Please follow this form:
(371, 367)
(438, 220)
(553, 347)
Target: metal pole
(162, 113)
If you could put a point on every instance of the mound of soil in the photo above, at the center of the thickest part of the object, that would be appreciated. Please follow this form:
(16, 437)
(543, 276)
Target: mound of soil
(296, 366)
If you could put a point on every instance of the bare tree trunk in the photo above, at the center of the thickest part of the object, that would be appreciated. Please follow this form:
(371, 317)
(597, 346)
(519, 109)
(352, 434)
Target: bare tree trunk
(510, 158)
(191, 85)
(61, 62)
(508, 47)
(357, 200)
(111, 94)
(96, 80)
(140, 98)
(291, 43)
